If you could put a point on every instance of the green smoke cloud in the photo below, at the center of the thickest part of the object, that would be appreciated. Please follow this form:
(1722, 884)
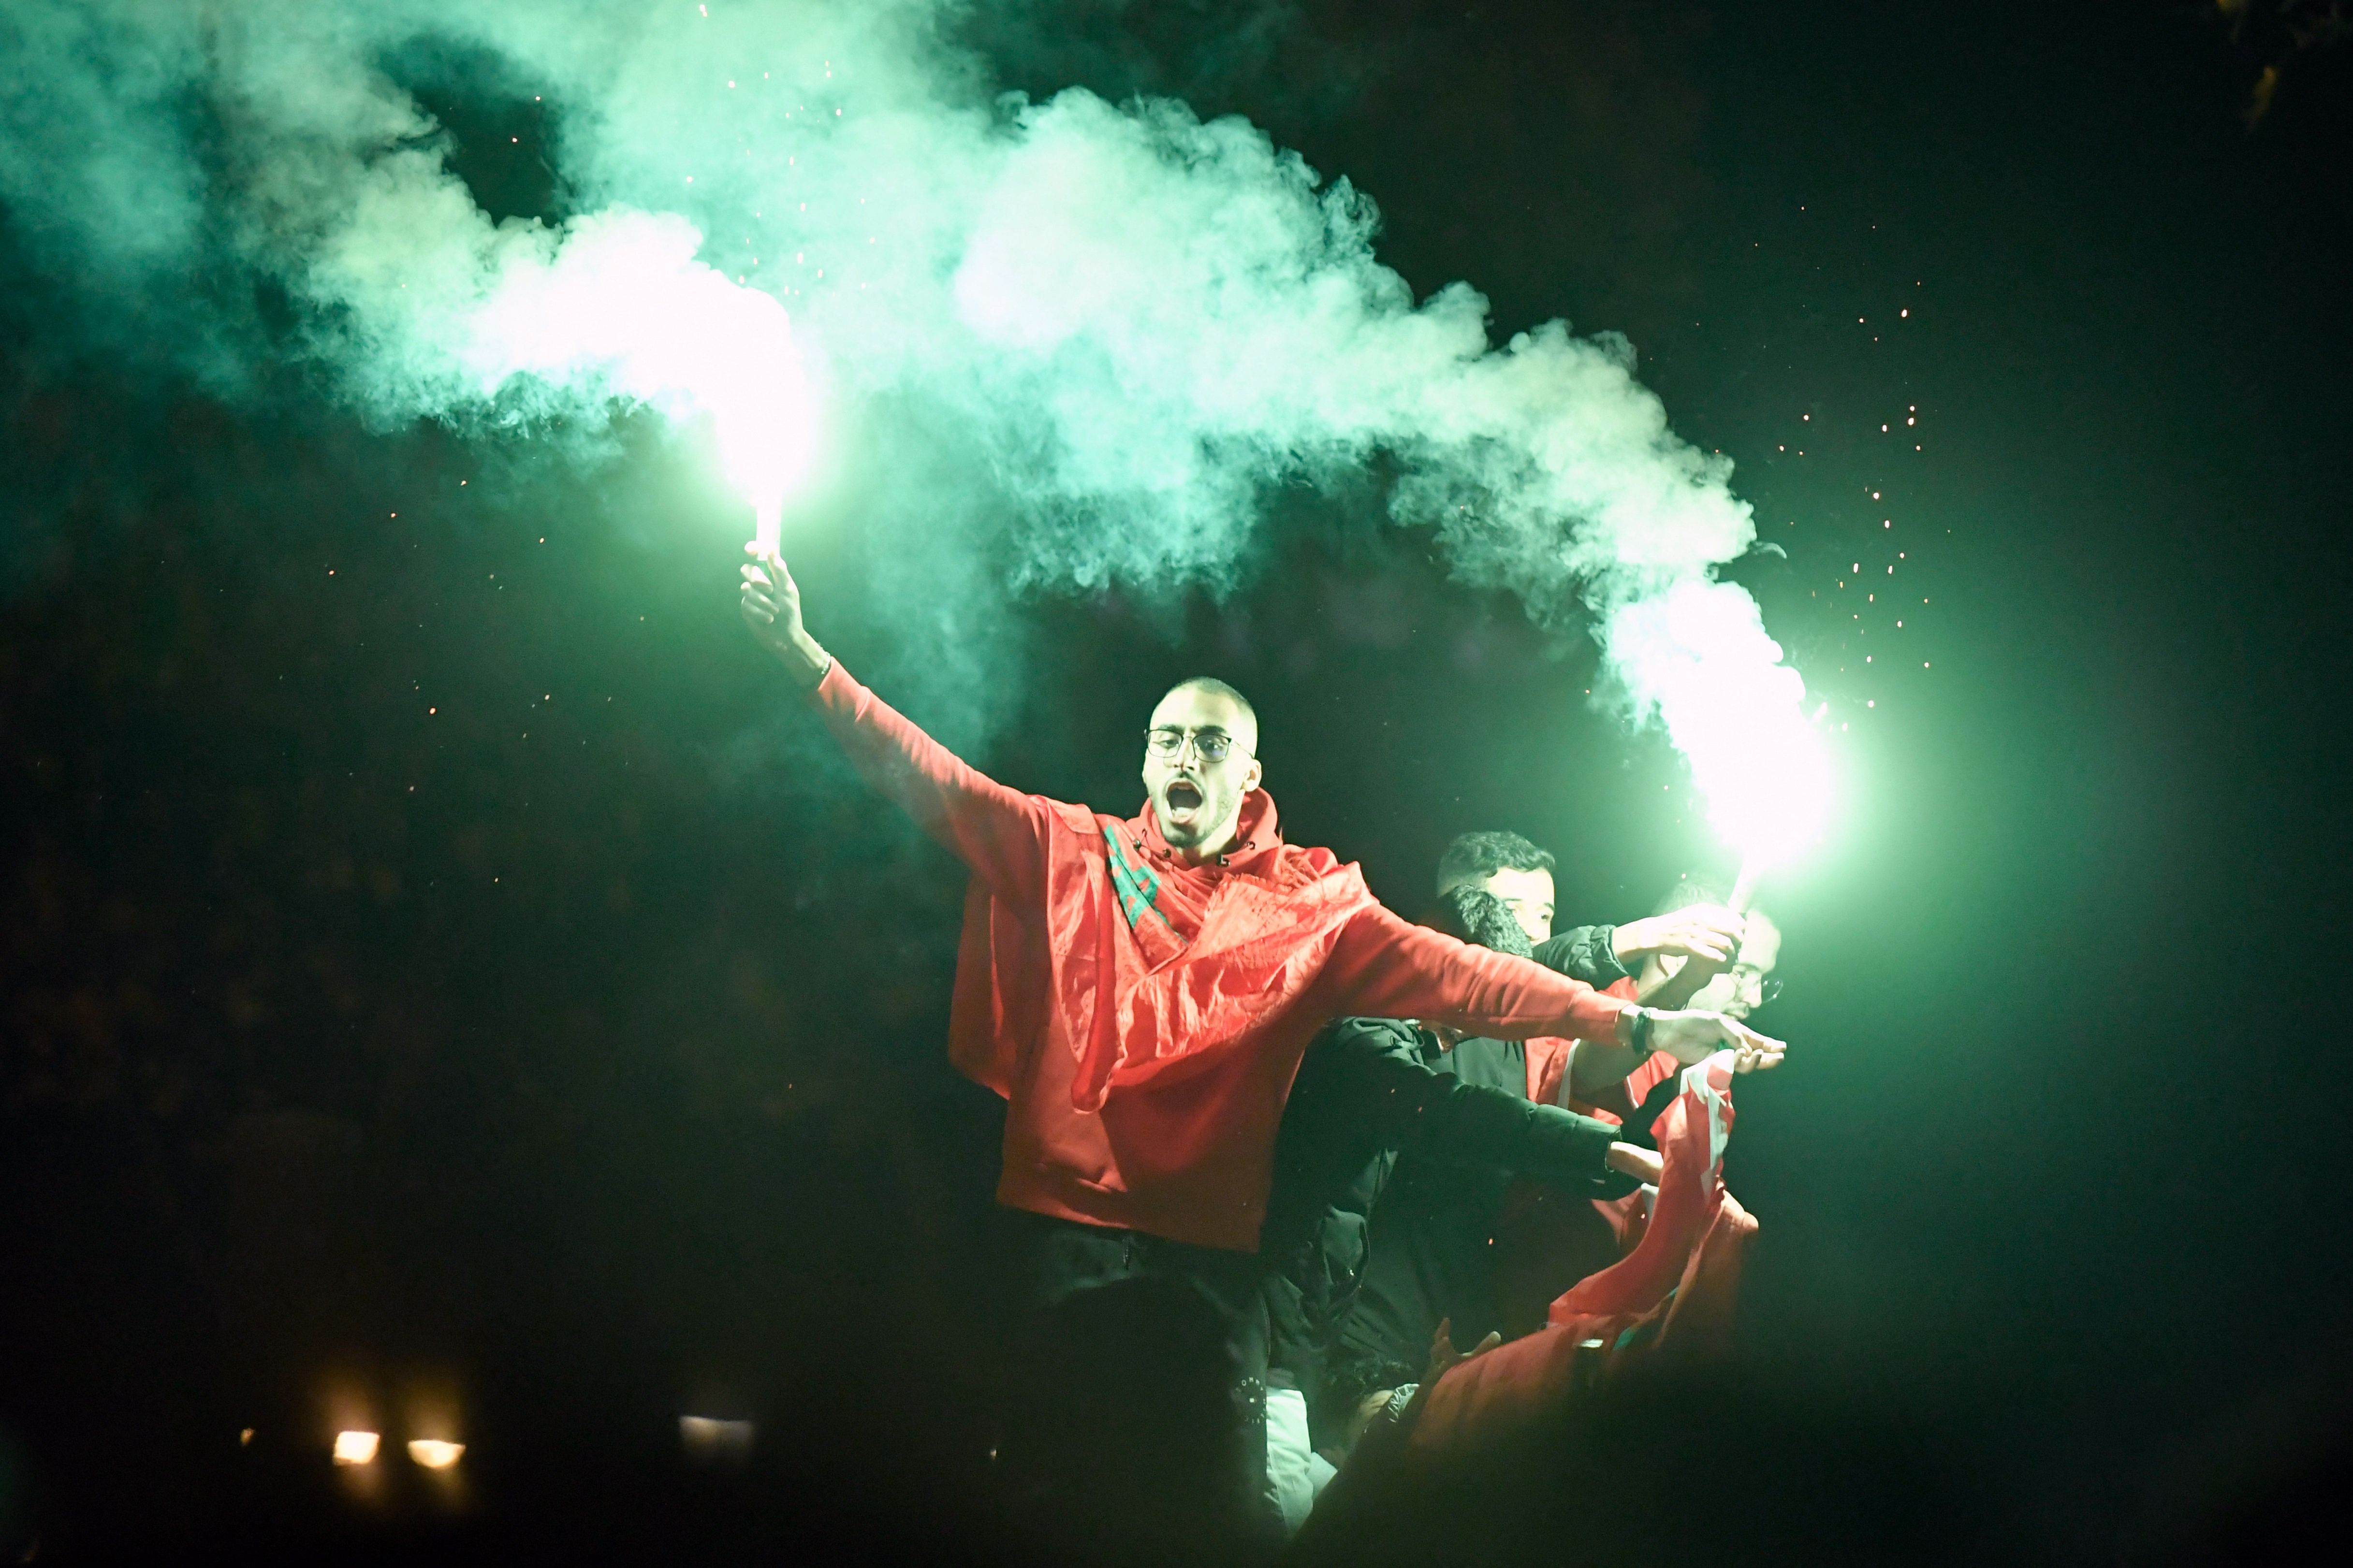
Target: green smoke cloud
(1136, 325)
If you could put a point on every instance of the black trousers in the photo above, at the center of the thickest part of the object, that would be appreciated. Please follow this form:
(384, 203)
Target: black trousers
(1134, 1419)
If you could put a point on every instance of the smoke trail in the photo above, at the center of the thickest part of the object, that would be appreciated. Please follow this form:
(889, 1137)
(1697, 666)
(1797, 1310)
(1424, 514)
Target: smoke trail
(1134, 322)
(519, 324)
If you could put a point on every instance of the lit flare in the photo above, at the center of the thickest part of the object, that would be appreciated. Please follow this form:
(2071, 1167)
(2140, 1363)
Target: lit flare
(1698, 658)
(619, 301)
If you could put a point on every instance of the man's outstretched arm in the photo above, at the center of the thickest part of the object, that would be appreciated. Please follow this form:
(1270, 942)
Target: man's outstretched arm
(1384, 967)
(1472, 1123)
(1365, 1077)
(1001, 832)
(1584, 953)
(1703, 939)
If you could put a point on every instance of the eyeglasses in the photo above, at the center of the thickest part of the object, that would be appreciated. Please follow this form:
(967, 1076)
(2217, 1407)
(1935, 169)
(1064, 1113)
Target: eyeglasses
(1744, 977)
(1214, 745)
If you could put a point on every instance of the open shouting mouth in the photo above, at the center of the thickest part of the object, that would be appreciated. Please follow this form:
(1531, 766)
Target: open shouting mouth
(1183, 797)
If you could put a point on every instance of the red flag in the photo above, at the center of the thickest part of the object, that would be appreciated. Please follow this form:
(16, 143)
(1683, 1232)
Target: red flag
(1674, 1292)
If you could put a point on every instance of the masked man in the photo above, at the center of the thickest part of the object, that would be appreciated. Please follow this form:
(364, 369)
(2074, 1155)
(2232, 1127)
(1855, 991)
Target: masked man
(1432, 1249)
(1369, 1091)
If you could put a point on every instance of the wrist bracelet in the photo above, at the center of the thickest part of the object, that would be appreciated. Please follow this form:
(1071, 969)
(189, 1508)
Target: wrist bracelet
(1639, 1037)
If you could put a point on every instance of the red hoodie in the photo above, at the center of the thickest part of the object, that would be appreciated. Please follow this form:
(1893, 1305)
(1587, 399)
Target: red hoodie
(1143, 1016)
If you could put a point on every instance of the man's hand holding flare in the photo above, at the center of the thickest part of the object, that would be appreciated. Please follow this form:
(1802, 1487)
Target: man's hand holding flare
(1703, 933)
(772, 608)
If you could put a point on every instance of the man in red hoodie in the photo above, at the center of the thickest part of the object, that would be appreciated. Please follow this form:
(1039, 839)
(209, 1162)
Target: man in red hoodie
(1140, 991)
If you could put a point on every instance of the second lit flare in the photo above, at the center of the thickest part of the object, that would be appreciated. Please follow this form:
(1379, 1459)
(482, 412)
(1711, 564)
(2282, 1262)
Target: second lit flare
(1698, 657)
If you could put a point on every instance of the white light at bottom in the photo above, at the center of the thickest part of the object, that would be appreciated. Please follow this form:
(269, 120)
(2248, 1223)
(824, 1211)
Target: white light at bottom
(354, 1447)
(434, 1454)
(709, 1440)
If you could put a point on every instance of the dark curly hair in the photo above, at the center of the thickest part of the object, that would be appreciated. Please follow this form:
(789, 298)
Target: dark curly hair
(1475, 857)
(1481, 919)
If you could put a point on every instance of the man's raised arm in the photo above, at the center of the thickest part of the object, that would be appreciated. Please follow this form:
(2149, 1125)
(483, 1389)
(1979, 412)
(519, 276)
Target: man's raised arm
(1001, 832)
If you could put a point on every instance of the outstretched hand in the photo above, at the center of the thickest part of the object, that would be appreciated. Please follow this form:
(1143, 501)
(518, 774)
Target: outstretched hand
(772, 608)
(1692, 1038)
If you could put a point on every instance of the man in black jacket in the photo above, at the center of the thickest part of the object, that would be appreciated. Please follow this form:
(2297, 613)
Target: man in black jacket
(1367, 1090)
(1457, 1111)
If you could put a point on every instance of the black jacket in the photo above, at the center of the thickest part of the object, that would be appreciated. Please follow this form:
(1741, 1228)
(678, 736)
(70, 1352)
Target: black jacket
(1372, 1089)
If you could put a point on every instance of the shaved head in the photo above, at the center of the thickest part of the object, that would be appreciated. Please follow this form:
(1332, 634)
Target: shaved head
(1246, 729)
(1197, 796)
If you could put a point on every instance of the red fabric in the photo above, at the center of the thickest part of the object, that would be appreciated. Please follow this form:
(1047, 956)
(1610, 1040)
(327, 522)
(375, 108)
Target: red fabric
(1627, 1220)
(1145, 1060)
(1548, 1059)
(1693, 1247)
(1548, 1068)
(1545, 1239)
(1691, 1132)
(1649, 1073)
(1627, 1217)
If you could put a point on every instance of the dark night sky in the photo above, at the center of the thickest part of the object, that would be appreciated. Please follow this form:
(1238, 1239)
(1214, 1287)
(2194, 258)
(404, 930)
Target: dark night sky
(580, 1037)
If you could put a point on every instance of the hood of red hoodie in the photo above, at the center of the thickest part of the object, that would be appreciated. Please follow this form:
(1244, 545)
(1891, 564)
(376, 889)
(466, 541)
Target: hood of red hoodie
(1257, 837)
